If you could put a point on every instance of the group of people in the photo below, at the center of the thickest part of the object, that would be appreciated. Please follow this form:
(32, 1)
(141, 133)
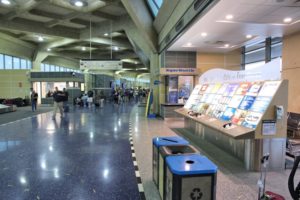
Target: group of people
(127, 95)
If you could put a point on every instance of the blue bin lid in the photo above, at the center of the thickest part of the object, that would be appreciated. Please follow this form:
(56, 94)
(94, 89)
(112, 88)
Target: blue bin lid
(191, 164)
(168, 141)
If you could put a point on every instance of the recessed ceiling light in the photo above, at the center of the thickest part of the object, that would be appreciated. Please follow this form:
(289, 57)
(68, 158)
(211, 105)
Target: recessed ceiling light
(287, 20)
(116, 48)
(105, 34)
(6, 2)
(226, 45)
(40, 38)
(229, 16)
(189, 44)
(203, 34)
(48, 49)
(83, 48)
(248, 36)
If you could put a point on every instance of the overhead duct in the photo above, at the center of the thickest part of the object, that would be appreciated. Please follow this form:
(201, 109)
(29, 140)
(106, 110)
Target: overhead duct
(196, 10)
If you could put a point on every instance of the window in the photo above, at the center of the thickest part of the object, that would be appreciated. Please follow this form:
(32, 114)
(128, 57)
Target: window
(16, 63)
(29, 64)
(8, 62)
(259, 53)
(254, 65)
(1, 61)
(57, 68)
(47, 68)
(154, 6)
(23, 64)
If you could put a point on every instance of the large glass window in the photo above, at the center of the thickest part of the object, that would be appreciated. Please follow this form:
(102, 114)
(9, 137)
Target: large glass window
(259, 53)
(154, 6)
(29, 64)
(1, 61)
(8, 62)
(16, 63)
(23, 64)
(11, 62)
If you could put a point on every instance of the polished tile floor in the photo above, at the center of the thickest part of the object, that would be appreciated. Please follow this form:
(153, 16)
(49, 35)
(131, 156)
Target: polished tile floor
(85, 155)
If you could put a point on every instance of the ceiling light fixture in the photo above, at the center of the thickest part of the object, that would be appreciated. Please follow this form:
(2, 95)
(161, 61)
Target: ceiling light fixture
(83, 48)
(248, 36)
(78, 3)
(105, 34)
(135, 62)
(48, 49)
(226, 45)
(229, 17)
(6, 2)
(189, 44)
(116, 48)
(203, 34)
(287, 20)
(40, 38)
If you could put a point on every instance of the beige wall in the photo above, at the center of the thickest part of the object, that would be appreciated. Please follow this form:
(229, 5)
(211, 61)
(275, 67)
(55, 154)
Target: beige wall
(207, 61)
(291, 69)
(14, 83)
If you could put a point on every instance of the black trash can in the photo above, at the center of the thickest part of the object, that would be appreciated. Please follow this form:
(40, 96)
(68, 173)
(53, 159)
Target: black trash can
(165, 151)
(158, 142)
(190, 177)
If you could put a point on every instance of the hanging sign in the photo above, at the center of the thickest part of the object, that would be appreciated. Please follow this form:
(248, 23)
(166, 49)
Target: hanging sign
(179, 71)
(101, 65)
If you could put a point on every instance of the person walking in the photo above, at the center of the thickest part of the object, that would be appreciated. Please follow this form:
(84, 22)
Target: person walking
(65, 100)
(34, 97)
(58, 98)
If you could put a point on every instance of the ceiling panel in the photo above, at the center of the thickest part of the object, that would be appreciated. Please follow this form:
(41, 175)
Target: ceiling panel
(53, 9)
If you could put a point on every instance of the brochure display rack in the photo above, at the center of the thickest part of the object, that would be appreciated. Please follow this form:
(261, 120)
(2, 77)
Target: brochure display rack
(246, 118)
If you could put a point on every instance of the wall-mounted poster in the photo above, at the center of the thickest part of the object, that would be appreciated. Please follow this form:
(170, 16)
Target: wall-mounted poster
(243, 88)
(185, 86)
(247, 102)
(239, 117)
(228, 114)
(252, 119)
(235, 101)
(254, 89)
(261, 104)
(230, 90)
(173, 89)
(269, 88)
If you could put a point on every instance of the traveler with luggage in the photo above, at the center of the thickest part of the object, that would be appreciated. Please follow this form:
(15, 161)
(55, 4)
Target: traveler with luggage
(58, 98)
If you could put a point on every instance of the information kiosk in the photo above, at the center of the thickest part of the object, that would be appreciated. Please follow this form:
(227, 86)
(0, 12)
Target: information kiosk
(241, 112)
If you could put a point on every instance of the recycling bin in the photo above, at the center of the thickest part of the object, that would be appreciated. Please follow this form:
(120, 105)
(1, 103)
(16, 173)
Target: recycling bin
(165, 151)
(190, 177)
(158, 142)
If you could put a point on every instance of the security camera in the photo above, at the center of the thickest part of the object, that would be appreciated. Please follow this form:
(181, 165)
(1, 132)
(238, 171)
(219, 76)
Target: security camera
(73, 74)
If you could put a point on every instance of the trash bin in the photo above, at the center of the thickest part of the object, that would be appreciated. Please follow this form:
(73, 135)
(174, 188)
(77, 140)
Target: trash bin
(158, 142)
(190, 177)
(165, 151)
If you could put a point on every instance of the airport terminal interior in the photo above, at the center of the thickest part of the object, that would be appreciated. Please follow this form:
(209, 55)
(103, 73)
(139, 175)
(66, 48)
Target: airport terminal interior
(149, 99)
